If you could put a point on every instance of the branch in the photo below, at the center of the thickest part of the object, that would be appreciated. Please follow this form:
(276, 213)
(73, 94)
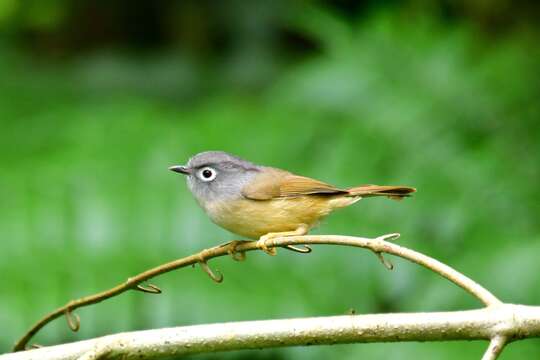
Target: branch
(378, 246)
(507, 321)
(496, 346)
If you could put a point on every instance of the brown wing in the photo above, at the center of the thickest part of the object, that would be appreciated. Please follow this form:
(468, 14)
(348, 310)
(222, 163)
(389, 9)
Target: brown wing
(274, 183)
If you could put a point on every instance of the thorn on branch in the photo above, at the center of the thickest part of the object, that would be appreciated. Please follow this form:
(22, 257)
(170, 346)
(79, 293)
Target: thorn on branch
(303, 249)
(387, 264)
(238, 256)
(389, 237)
(150, 289)
(231, 250)
(217, 278)
(73, 320)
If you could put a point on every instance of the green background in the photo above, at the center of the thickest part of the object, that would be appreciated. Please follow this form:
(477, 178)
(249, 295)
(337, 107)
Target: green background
(97, 100)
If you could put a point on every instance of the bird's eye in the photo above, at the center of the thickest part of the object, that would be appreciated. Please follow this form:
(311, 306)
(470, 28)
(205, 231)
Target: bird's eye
(207, 174)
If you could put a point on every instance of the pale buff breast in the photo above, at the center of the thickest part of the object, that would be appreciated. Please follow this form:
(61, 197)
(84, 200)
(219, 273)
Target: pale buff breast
(254, 218)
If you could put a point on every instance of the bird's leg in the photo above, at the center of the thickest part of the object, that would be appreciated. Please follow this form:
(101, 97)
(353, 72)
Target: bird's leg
(262, 243)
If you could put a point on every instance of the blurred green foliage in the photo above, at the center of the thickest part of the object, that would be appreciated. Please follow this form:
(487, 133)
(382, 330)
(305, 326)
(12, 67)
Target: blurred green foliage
(391, 96)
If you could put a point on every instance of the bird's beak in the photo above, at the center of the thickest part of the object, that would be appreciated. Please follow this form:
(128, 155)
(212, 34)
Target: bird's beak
(180, 169)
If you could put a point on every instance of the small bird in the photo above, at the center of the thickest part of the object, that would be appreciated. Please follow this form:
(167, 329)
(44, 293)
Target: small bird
(262, 202)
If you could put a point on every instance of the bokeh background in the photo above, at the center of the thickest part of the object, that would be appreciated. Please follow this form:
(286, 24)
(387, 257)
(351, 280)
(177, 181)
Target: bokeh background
(98, 98)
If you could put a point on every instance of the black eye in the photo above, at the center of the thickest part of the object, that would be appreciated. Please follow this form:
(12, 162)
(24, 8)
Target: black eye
(207, 174)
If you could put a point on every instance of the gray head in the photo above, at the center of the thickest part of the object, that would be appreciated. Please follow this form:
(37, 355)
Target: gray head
(216, 176)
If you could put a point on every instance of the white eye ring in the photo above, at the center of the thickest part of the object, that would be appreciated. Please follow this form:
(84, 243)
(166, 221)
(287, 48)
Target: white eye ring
(207, 174)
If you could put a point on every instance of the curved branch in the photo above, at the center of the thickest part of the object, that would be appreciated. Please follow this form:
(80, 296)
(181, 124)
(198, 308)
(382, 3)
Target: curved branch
(378, 245)
(511, 321)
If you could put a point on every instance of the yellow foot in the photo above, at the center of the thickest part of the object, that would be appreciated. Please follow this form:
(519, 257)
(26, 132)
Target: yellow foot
(264, 240)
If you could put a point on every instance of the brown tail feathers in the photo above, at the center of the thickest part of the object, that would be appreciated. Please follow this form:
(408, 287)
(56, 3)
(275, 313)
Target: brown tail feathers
(392, 192)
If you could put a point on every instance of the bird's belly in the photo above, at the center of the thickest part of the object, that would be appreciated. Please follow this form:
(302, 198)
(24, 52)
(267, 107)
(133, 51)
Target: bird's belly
(254, 218)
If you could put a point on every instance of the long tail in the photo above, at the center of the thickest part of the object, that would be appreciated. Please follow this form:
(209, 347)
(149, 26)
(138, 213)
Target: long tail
(392, 192)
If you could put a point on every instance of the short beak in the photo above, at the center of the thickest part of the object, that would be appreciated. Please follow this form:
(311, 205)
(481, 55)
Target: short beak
(180, 169)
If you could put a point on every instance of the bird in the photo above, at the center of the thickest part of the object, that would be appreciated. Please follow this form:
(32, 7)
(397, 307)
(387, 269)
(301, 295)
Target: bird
(263, 202)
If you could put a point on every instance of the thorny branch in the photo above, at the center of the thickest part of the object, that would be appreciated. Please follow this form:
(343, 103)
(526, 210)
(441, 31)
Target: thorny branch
(238, 249)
